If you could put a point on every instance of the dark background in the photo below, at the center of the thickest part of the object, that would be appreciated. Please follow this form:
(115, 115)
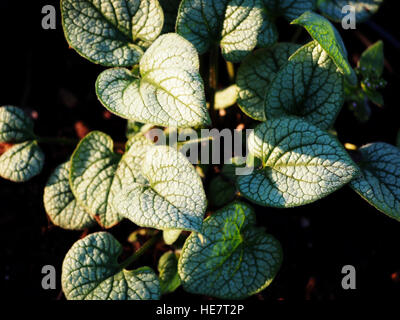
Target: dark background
(41, 74)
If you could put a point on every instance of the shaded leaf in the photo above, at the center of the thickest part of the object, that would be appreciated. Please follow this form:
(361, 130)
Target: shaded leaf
(232, 259)
(234, 24)
(290, 9)
(168, 272)
(255, 75)
(379, 182)
(308, 86)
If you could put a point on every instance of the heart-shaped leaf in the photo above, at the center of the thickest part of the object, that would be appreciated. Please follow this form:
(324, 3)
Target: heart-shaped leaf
(300, 164)
(171, 196)
(290, 9)
(111, 32)
(329, 39)
(363, 8)
(231, 259)
(91, 271)
(61, 205)
(308, 86)
(235, 24)
(168, 92)
(21, 162)
(256, 73)
(168, 269)
(379, 182)
(98, 174)
(15, 125)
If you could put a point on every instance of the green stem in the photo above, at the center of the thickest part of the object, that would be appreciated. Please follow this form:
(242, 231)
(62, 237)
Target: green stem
(58, 140)
(147, 245)
(213, 82)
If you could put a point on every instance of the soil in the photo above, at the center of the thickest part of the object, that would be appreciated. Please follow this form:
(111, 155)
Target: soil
(41, 74)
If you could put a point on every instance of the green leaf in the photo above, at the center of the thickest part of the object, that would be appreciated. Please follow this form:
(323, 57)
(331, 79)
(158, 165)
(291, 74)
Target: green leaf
(15, 125)
(221, 191)
(168, 92)
(231, 259)
(234, 24)
(168, 269)
(170, 195)
(364, 8)
(21, 162)
(170, 9)
(308, 86)
(372, 60)
(290, 9)
(255, 75)
(379, 183)
(91, 271)
(61, 205)
(98, 174)
(171, 235)
(300, 164)
(111, 32)
(329, 39)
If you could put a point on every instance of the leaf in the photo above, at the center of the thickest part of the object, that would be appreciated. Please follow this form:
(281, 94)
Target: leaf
(61, 205)
(363, 8)
(308, 86)
(329, 39)
(226, 98)
(255, 75)
(290, 9)
(170, 9)
(221, 191)
(171, 235)
(111, 32)
(372, 60)
(234, 24)
(379, 183)
(98, 175)
(235, 258)
(15, 125)
(21, 162)
(300, 164)
(91, 271)
(168, 92)
(168, 269)
(170, 196)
